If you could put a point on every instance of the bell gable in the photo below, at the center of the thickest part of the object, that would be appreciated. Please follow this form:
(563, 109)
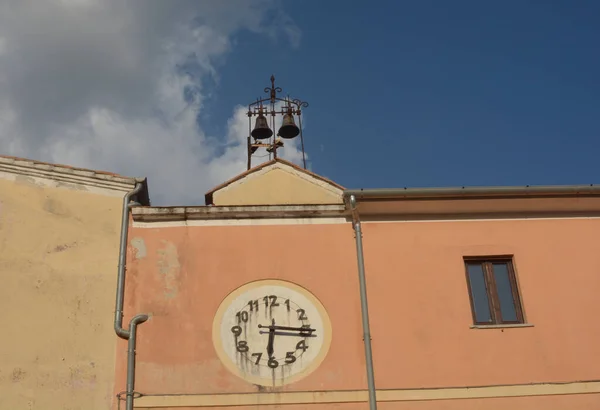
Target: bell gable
(277, 182)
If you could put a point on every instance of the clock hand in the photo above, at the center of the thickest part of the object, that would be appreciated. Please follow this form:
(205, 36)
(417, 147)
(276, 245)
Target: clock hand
(299, 329)
(271, 340)
(291, 334)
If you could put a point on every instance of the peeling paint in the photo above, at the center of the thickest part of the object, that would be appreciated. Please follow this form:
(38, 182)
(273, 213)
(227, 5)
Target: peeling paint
(69, 185)
(55, 207)
(82, 376)
(22, 179)
(17, 375)
(63, 247)
(140, 247)
(168, 268)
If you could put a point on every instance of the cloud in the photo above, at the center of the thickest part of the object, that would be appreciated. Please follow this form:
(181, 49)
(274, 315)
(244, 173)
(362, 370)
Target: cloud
(106, 84)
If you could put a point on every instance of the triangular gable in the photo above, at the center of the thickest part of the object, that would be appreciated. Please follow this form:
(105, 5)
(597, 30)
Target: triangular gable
(276, 182)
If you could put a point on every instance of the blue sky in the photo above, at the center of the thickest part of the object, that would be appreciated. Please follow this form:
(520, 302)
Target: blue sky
(402, 93)
(434, 93)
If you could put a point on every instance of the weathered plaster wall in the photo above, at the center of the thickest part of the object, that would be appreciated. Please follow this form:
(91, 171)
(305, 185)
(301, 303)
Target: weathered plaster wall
(419, 307)
(58, 262)
(182, 274)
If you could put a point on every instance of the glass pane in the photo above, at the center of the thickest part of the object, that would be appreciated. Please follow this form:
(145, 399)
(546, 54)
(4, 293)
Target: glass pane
(507, 305)
(479, 293)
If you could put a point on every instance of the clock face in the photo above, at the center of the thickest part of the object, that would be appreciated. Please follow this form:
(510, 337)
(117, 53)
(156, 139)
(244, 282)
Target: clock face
(271, 332)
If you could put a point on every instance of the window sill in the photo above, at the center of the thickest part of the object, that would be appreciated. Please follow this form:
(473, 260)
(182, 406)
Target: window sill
(507, 326)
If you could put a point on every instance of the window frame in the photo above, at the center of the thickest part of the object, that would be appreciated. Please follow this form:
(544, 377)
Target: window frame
(486, 262)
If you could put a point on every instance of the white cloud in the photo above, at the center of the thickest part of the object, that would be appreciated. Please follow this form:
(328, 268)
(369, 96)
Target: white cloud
(95, 83)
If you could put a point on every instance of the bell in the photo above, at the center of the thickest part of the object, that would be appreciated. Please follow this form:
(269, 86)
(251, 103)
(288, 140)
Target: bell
(288, 127)
(261, 129)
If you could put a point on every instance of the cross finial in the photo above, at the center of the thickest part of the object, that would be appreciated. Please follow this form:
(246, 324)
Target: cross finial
(273, 92)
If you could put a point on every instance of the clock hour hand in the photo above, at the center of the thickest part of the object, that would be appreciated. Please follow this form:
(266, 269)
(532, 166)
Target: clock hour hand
(271, 340)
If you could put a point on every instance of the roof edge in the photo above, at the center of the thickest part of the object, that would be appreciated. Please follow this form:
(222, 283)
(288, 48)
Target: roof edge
(473, 192)
(60, 174)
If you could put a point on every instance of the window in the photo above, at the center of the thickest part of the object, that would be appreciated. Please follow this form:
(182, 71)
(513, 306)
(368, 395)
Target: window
(493, 291)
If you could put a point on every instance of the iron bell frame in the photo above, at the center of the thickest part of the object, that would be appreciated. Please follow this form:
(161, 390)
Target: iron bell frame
(267, 107)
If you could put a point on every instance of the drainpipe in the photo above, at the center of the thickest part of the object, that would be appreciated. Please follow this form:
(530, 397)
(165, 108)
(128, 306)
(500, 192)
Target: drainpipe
(135, 321)
(363, 303)
(123, 333)
(129, 335)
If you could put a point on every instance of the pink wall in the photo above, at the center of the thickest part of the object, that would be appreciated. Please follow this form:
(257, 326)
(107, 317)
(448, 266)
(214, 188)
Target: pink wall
(175, 349)
(421, 312)
(419, 306)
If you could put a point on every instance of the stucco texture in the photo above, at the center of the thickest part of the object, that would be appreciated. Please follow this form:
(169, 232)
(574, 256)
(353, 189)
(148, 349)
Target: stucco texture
(183, 275)
(418, 300)
(58, 262)
(421, 314)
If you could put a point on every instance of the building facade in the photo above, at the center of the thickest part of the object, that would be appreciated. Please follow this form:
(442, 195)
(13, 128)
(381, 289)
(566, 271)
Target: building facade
(59, 244)
(475, 298)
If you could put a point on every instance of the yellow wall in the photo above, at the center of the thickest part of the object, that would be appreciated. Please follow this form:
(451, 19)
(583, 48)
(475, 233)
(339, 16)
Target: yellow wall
(58, 266)
(278, 185)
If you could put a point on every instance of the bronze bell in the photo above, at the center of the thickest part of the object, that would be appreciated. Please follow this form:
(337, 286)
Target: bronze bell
(288, 127)
(261, 129)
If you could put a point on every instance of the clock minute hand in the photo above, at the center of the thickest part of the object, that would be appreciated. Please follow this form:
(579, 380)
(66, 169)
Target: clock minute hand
(299, 329)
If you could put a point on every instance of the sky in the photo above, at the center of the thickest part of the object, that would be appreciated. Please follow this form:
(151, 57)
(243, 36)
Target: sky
(412, 93)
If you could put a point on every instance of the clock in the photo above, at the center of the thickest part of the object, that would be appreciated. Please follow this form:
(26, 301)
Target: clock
(271, 332)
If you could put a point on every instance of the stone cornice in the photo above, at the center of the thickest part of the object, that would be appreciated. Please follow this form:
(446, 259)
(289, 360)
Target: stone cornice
(54, 175)
(156, 214)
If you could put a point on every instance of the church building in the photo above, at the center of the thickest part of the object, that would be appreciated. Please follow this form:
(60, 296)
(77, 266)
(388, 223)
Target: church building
(461, 298)
(288, 291)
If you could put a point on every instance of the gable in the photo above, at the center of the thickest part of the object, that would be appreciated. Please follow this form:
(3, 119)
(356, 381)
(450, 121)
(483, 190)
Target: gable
(276, 183)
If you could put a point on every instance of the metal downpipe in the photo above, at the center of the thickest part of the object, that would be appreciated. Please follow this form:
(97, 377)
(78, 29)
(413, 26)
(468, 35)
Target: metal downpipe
(363, 304)
(131, 334)
(135, 321)
(119, 330)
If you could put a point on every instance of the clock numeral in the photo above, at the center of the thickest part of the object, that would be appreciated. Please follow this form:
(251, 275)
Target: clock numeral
(270, 300)
(301, 314)
(242, 316)
(290, 358)
(301, 345)
(242, 346)
(253, 305)
(236, 330)
(287, 304)
(272, 363)
(258, 356)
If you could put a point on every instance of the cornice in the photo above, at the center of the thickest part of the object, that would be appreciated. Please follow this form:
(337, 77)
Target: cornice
(54, 175)
(160, 214)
